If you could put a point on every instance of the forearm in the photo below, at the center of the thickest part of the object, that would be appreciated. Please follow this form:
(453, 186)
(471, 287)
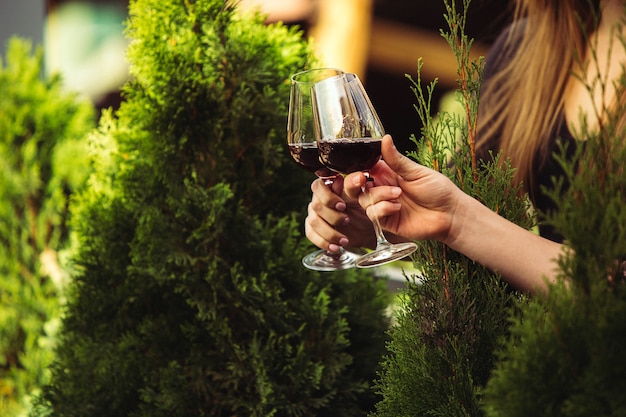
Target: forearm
(524, 259)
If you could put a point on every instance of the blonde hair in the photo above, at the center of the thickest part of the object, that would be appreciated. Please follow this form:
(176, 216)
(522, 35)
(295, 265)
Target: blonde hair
(523, 102)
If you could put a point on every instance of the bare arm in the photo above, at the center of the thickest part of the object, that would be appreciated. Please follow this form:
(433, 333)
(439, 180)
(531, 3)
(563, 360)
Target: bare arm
(523, 258)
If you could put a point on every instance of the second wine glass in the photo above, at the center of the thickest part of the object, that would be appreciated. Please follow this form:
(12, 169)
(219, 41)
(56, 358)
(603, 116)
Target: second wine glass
(349, 135)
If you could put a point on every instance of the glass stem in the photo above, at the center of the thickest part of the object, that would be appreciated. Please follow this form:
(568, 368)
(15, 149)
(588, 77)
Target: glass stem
(328, 181)
(381, 241)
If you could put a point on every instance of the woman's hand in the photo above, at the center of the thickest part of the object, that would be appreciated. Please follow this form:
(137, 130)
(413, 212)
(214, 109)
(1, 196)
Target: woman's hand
(409, 199)
(335, 220)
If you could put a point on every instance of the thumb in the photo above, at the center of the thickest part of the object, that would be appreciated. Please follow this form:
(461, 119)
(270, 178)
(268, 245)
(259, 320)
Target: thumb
(399, 163)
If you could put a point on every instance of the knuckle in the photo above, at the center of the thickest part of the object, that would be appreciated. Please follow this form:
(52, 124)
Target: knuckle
(315, 206)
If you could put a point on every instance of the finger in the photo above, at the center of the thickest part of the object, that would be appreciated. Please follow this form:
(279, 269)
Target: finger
(381, 210)
(329, 196)
(330, 215)
(322, 234)
(374, 195)
(315, 238)
(402, 165)
(381, 201)
(353, 184)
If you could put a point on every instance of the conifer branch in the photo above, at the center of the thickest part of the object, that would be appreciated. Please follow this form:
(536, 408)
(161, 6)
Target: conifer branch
(461, 45)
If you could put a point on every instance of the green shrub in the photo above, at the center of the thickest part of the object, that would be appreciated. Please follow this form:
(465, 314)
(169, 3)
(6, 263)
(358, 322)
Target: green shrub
(189, 297)
(455, 312)
(42, 162)
(566, 353)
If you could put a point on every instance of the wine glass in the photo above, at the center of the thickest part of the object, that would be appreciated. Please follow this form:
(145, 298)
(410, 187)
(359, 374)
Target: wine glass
(303, 150)
(349, 135)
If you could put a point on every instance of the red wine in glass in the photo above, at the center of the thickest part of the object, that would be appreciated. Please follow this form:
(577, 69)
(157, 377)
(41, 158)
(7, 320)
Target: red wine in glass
(307, 157)
(349, 155)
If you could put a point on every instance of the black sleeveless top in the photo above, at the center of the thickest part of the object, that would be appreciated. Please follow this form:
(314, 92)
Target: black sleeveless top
(545, 169)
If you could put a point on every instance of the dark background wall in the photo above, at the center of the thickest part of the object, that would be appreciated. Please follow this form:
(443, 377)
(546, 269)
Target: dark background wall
(390, 89)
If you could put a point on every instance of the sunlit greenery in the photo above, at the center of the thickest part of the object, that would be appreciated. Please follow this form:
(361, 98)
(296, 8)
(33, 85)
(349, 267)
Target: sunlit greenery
(43, 161)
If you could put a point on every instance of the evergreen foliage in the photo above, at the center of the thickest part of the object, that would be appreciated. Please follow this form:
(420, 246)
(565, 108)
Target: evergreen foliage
(42, 162)
(566, 353)
(453, 314)
(189, 297)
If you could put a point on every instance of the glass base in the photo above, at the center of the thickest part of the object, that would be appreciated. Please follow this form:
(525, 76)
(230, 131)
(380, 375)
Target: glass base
(322, 260)
(385, 254)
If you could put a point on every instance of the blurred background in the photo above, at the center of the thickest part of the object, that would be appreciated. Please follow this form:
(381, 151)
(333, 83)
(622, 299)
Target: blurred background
(380, 40)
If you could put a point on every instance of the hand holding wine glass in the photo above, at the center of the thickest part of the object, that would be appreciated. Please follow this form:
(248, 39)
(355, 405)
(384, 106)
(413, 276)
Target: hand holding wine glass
(349, 135)
(303, 149)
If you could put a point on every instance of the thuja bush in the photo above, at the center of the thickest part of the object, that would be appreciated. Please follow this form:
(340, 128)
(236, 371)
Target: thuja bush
(189, 298)
(42, 162)
(566, 353)
(455, 312)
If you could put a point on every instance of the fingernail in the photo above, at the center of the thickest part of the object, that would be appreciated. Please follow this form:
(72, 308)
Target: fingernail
(396, 191)
(356, 180)
(333, 247)
(343, 241)
(340, 206)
